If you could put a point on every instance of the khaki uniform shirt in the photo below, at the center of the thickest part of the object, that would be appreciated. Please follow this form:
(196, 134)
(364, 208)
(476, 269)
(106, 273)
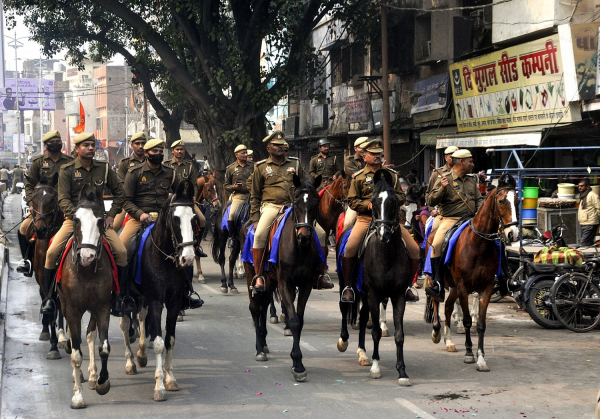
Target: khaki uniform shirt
(146, 191)
(237, 173)
(353, 164)
(325, 166)
(126, 164)
(271, 183)
(44, 167)
(3, 174)
(361, 190)
(444, 170)
(184, 170)
(591, 214)
(449, 202)
(73, 177)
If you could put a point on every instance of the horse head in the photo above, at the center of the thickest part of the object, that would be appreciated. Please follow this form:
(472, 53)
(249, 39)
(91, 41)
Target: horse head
(384, 203)
(44, 205)
(178, 218)
(506, 202)
(305, 208)
(214, 192)
(88, 225)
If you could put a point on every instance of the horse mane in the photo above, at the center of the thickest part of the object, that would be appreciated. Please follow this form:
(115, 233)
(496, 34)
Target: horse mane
(506, 181)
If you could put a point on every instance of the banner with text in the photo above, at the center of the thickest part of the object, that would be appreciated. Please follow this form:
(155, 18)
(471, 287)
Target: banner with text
(29, 95)
(519, 86)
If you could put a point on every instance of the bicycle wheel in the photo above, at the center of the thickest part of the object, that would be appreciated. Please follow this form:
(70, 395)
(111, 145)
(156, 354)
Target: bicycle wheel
(539, 305)
(576, 302)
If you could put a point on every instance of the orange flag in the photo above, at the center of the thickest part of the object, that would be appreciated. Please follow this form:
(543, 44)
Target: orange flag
(81, 127)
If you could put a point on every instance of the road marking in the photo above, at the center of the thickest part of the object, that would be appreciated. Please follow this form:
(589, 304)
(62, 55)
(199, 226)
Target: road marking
(408, 405)
(211, 289)
(304, 344)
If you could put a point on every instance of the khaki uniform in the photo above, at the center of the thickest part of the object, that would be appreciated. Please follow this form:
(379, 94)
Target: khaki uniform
(187, 170)
(145, 192)
(236, 173)
(73, 178)
(271, 188)
(17, 177)
(327, 167)
(124, 165)
(352, 164)
(450, 204)
(444, 170)
(359, 198)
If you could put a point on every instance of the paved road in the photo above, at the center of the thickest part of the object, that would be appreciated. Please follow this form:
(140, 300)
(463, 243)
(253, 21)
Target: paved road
(535, 373)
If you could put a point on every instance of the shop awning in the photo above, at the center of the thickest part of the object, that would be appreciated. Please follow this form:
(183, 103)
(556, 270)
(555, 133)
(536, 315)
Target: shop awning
(430, 136)
(527, 136)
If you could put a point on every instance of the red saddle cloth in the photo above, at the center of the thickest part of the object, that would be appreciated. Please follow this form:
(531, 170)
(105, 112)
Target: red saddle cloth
(340, 226)
(113, 265)
(322, 191)
(127, 217)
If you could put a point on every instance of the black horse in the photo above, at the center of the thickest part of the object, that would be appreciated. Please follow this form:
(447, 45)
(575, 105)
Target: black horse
(388, 274)
(168, 250)
(298, 267)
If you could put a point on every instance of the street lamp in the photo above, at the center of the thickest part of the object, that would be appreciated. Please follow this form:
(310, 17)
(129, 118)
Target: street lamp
(16, 44)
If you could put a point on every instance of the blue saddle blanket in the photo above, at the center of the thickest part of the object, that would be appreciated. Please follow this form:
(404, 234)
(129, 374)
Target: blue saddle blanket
(224, 225)
(428, 229)
(145, 234)
(343, 243)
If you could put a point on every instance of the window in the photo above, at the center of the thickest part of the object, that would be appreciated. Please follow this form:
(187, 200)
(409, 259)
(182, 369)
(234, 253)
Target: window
(346, 62)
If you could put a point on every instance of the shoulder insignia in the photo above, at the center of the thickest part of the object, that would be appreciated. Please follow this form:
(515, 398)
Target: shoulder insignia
(166, 164)
(37, 157)
(472, 174)
(292, 158)
(260, 162)
(358, 173)
(231, 165)
(131, 169)
(71, 163)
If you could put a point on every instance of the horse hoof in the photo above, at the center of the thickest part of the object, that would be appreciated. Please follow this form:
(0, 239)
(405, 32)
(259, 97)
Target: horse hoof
(234, 290)
(201, 279)
(282, 317)
(266, 349)
(274, 320)
(469, 359)
(287, 332)
(299, 376)
(436, 338)
(53, 355)
(131, 370)
(404, 382)
(77, 402)
(341, 345)
(262, 357)
(460, 330)
(369, 324)
(68, 349)
(224, 289)
(483, 368)
(451, 348)
(355, 326)
(62, 344)
(179, 318)
(172, 386)
(92, 384)
(142, 361)
(375, 375)
(44, 336)
(151, 344)
(160, 396)
(364, 362)
(385, 333)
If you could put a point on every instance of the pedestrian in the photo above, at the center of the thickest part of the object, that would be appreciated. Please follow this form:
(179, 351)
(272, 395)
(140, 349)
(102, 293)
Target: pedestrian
(4, 176)
(17, 177)
(588, 213)
(414, 191)
(418, 230)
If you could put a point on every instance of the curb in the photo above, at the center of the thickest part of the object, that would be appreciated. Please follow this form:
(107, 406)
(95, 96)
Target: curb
(3, 295)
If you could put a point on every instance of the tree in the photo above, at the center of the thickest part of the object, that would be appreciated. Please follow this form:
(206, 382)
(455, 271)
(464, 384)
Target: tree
(203, 56)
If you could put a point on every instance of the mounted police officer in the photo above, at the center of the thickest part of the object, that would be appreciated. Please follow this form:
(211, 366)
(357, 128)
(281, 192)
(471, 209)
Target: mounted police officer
(353, 164)
(270, 189)
(443, 170)
(359, 199)
(185, 169)
(324, 164)
(137, 158)
(236, 175)
(80, 173)
(42, 166)
(457, 195)
(147, 187)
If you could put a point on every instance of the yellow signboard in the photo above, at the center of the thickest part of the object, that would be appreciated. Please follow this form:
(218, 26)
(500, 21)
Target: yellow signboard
(518, 86)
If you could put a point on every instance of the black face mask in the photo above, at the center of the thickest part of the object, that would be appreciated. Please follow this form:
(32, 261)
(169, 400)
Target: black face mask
(155, 158)
(54, 148)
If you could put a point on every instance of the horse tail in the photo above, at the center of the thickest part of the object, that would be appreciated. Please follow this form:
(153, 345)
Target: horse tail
(428, 316)
(216, 240)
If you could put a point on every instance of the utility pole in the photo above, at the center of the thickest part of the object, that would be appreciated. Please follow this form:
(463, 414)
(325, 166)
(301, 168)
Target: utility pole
(146, 115)
(41, 89)
(19, 116)
(125, 144)
(385, 88)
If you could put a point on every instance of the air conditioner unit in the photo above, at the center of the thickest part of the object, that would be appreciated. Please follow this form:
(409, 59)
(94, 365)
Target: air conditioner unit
(426, 49)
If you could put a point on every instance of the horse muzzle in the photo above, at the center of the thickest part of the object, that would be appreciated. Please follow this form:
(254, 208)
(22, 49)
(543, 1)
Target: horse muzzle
(187, 256)
(41, 232)
(87, 256)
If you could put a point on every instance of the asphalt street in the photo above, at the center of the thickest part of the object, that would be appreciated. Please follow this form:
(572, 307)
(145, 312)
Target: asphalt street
(535, 373)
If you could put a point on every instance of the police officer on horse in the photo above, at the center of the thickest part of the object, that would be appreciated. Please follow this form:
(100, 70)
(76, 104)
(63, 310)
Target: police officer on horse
(324, 164)
(236, 176)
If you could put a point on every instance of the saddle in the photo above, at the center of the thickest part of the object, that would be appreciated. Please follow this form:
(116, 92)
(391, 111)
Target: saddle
(365, 240)
(132, 260)
(451, 232)
(274, 226)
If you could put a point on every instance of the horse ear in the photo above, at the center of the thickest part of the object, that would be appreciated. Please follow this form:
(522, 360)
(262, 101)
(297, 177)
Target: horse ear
(317, 181)
(343, 174)
(387, 176)
(180, 189)
(297, 181)
(100, 191)
(31, 180)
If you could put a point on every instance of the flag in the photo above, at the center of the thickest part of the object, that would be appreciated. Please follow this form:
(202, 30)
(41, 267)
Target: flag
(81, 127)
(131, 101)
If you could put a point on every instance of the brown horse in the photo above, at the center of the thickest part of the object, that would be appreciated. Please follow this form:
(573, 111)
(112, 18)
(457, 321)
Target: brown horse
(332, 203)
(474, 264)
(86, 285)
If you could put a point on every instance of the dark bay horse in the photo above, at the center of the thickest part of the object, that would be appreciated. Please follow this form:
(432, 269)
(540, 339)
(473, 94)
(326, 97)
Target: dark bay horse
(167, 252)
(47, 218)
(298, 267)
(86, 285)
(474, 264)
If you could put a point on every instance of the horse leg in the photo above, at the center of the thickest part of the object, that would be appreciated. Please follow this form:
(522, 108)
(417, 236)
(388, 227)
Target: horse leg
(457, 315)
(475, 308)
(154, 313)
(142, 357)
(74, 322)
(53, 353)
(285, 319)
(483, 305)
(399, 306)
(362, 327)
(45, 334)
(125, 324)
(342, 344)
(170, 381)
(90, 336)
(382, 319)
(103, 317)
(235, 252)
(436, 335)
(450, 347)
(376, 335)
(296, 322)
(273, 312)
(255, 311)
(62, 340)
(463, 295)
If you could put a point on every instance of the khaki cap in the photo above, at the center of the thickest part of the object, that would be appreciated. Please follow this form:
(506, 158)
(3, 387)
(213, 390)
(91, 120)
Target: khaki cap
(374, 146)
(241, 147)
(285, 144)
(250, 152)
(138, 136)
(84, 136)
(154, 143)
(277, 137)
(50, 135)
(451, 149)
(178, 143)
(462, 154)
(360, 140)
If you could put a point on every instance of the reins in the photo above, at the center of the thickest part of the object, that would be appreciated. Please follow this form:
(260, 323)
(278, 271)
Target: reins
(178, 247)
(499, 235)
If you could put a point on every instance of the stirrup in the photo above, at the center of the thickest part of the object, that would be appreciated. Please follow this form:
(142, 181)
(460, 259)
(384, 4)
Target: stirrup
(48, 301)
(327, 283)
(25, 267)
(192, 303)
(414, 292)
(199, 252)
(254, 278)
(129, 305)
(230, 243)
(353, 296)
(436, 295)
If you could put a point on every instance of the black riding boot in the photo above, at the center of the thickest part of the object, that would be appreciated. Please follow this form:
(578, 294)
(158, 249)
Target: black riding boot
(25, 265)
(199, 252)
(437, 291)
(189, 301)
(48, 304)
(129, 305)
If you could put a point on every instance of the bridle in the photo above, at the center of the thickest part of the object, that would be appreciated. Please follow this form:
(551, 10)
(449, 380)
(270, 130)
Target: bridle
(177, 246)
(298, 225)
(36, 215)
(341, 202)
(391, 225)
(499, 235)
(215, 203)
(97, 247)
